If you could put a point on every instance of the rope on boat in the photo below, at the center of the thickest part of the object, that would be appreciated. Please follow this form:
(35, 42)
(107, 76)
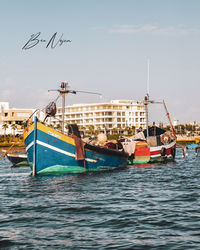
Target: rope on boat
(5, 153)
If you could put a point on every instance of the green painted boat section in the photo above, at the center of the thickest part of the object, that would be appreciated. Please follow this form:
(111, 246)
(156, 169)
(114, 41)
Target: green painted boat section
(147, 160)
(62, 170)
(140, 161)
(157, 160)
(58, 169)
(22, 163)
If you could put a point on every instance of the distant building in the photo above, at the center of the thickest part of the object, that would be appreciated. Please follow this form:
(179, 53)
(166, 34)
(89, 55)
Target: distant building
(117, 114)
(13, 116)
(4, 105)
(176, 122)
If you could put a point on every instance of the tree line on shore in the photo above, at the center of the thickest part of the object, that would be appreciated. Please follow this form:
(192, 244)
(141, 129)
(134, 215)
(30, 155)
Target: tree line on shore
(181, 129)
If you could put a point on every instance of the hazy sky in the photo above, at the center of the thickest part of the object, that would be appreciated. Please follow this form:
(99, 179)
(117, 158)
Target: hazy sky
(111, 41)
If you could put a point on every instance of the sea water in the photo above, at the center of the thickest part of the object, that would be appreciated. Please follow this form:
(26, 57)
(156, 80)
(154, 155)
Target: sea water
(138, 207)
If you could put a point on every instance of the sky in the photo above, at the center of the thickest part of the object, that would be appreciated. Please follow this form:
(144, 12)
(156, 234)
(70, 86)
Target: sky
(106, 49)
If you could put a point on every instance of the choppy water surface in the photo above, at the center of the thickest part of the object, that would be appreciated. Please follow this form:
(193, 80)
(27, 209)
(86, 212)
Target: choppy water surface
(146, 207)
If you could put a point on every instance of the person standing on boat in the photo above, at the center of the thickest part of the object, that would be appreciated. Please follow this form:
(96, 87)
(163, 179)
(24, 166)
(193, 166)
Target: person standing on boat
(154, 132)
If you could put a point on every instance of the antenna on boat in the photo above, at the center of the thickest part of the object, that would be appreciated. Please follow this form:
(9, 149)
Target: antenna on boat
(146, 102)
(148, 65)
(146, 99)
(63, 90)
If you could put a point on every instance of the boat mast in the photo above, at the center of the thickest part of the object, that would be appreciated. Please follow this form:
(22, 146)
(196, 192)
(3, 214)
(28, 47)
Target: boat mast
(64, 89)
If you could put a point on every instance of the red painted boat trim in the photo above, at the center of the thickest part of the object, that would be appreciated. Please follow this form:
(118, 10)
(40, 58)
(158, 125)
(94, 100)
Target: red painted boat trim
(155, 152)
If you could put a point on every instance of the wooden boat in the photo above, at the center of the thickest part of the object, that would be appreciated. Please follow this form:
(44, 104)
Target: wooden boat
(155, 148)
(153, 144)
(18, 159)
(51, 151)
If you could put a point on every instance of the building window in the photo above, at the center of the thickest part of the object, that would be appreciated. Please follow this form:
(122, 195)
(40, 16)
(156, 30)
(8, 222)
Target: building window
(18, 122)
(22, 114)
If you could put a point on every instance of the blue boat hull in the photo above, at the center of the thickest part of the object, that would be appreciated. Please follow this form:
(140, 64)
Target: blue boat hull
(49, 151)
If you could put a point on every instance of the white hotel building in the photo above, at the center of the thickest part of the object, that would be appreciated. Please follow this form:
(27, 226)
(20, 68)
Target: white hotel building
(117, 114)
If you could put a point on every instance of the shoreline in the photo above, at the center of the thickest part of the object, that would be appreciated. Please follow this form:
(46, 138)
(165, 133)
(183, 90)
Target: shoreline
(15, 148)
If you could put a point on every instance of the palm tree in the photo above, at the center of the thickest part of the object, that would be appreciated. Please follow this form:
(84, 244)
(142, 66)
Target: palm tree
(133, 130)
(23, 125)
(66, 127)
(98, 130)
(58, 126)
(5, 126)
(91, 129)
(126, 130)
(114, 130)
(14, 127)
(81, 128)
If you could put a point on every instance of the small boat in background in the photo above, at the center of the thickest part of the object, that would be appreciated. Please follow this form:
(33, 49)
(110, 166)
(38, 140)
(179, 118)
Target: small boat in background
(159, 146)
(192, 146)
(18, 159)
(153, 144)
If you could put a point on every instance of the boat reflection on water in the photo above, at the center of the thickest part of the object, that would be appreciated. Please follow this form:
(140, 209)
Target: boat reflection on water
(143, 165)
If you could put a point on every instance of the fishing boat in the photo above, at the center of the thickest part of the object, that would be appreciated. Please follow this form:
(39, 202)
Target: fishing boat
(18, 159)
(192, 146)
(52, 151)
(153, 144)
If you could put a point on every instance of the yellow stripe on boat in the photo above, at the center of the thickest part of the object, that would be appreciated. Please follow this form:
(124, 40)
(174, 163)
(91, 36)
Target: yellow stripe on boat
(55, 133)
(49, 131)
(28, 130)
